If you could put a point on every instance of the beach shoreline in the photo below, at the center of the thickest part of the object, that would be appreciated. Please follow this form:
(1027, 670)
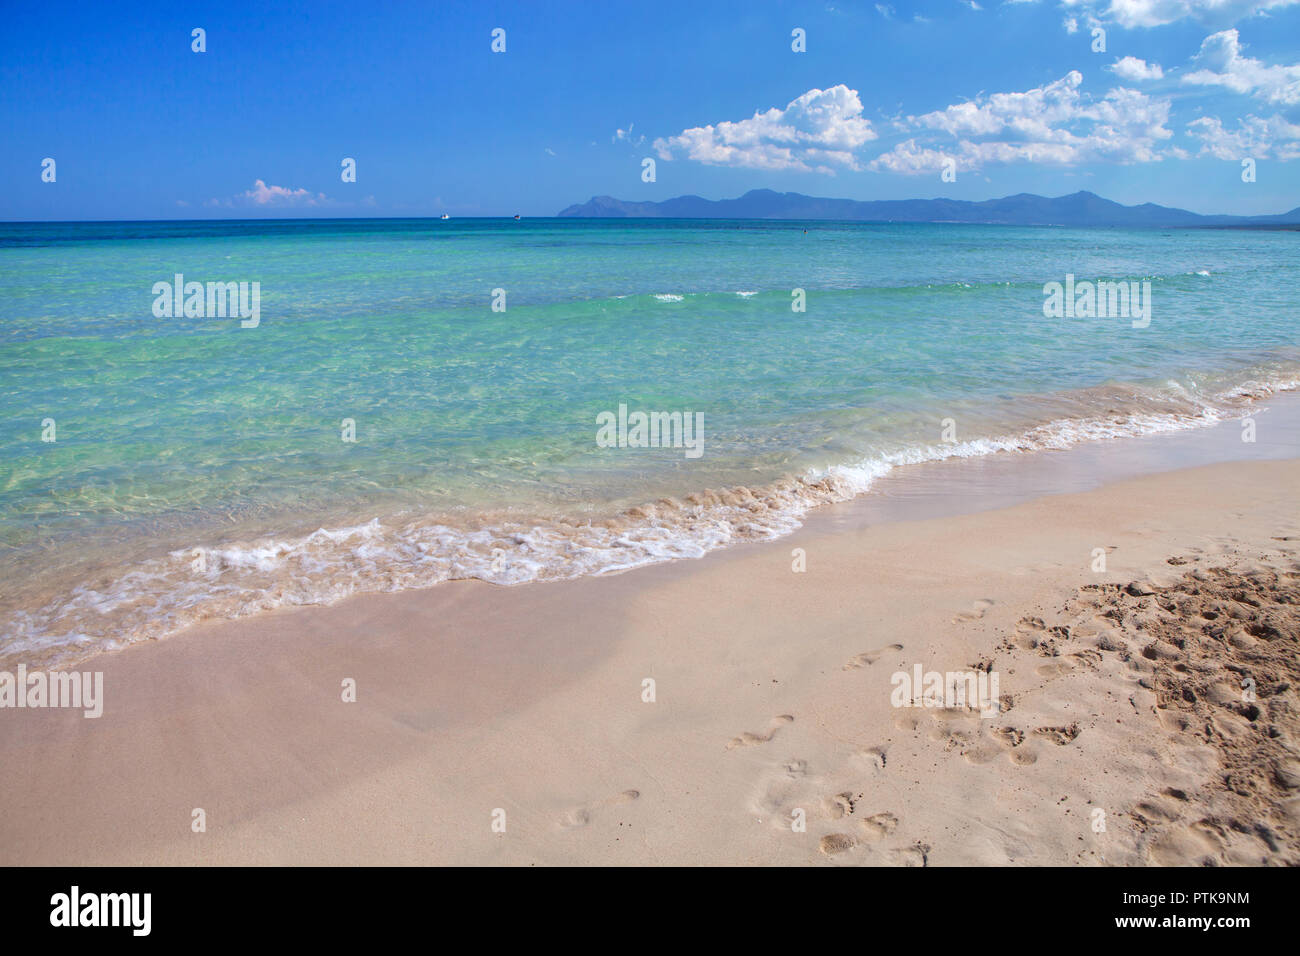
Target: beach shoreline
(477, 704)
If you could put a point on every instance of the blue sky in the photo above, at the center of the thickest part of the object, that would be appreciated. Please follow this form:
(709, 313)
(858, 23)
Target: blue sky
(142, 127)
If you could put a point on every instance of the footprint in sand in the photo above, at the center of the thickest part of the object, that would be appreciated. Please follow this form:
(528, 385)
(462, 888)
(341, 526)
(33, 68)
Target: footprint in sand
(748, 740)
(1010, 739)
(581, 816)
(840, 805)
(1054, 668)
(1020, 756)
(1058, 735)
(1029, 633)
(872, 829)
(977, 611)
(1033, 635)
(1156, 810)
(961, 731)
(867, 658)
(1088, 658)
(981, 754)
(918, 855)
(878, 826)
(836, 843)
(873, 757)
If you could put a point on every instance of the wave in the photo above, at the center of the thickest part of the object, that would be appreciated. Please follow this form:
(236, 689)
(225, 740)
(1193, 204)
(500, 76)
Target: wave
(235, 579)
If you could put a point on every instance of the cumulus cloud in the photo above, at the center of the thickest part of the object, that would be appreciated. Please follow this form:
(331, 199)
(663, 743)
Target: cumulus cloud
(1223, 65)
(818, 131)
(1135, 70)
(1032, 112)
(1054, 124)
(263, 195)
(1255, 137)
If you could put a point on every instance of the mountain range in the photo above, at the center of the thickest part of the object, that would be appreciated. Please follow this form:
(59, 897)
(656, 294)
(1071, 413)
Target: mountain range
(1022, 209)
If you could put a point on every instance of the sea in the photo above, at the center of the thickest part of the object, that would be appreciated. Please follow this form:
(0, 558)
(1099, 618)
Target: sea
(419, 401)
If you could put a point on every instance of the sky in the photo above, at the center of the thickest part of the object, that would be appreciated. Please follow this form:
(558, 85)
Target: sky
(1007, 96)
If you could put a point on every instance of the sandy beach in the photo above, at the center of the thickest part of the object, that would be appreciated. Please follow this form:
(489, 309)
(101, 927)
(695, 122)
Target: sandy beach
(515, 726)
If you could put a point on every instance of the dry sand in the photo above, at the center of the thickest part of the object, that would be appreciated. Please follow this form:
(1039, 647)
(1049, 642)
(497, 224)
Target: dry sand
(1124, 734)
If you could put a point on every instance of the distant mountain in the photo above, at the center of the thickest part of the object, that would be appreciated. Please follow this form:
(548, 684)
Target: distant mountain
(1023, 209)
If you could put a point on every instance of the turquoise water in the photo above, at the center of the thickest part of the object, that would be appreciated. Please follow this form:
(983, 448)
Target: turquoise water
(199, 467)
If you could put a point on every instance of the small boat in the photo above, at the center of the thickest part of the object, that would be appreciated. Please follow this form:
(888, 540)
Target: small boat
(444, 216)
(516, 215)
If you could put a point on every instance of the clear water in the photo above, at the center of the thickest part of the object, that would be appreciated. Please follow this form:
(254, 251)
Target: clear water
(199, 467)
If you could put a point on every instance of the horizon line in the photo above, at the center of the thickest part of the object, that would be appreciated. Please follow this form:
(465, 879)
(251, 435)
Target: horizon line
(656, 202)
(627, 219)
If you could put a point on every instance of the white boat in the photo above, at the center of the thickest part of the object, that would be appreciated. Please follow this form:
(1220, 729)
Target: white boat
(444, 216)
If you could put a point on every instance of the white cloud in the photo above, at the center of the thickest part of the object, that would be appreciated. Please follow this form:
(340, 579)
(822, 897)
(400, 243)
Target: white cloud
(1030, 113)
(1071, 25)
(817, 131)
(625, 136)
(885, 10)
(1156, 13)
(1053, 124)
(263, 195)
(1255, 137)
(1135, 70)
(1223, 65)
